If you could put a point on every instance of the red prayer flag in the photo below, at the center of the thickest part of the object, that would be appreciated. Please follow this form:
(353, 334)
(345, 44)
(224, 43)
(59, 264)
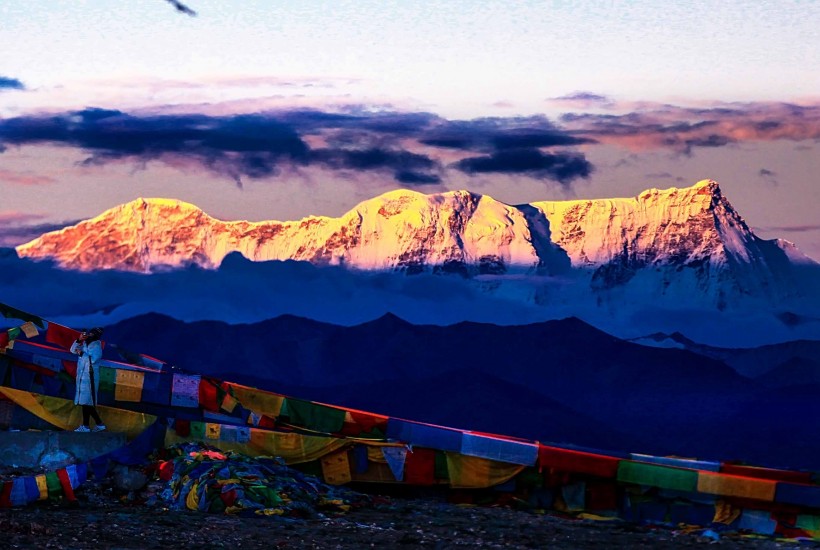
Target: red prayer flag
(766, 473)
(602, 496)
(420, 467)
(60, 335)
(182, 427)
(4, 339)
(5, 495)
(70, 367)
(267, 422)
(578, 462)
(65, 482)
(368, 421)
(207, 395)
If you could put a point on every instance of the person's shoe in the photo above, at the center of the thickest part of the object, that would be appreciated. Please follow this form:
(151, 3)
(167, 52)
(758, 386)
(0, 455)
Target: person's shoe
(83, 429)
(99, 428)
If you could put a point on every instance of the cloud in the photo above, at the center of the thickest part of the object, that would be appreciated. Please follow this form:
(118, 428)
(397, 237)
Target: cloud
(11, 217)
(658, 126)
(768, 176)
(7, 83)
(409, 146)
(582, 100)
(562, 167)
(13, 234)
(494, 134)
(411, 168)
(24, 178)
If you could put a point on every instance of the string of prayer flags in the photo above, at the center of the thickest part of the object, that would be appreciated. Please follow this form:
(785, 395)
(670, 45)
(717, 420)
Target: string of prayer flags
(14, 313)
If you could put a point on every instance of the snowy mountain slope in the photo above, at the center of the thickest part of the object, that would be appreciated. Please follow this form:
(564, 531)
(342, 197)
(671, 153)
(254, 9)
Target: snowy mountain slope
(683, 246)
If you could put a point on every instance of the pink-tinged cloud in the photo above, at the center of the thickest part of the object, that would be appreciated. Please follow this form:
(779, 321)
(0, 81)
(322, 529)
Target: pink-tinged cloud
(582, 100)
(12, 217)
(24, 178)
(681, 129)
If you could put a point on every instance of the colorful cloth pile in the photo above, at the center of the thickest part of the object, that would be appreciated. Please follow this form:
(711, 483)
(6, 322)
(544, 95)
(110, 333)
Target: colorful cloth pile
(204, 479)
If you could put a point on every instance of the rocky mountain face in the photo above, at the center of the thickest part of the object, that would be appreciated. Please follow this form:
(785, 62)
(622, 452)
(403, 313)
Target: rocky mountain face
(674, 242)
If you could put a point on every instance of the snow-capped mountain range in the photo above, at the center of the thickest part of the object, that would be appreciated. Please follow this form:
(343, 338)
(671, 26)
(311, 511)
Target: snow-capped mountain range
(694, 230)
(666, 260)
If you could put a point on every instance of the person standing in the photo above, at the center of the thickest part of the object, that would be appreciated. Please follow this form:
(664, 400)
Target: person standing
(89, 348)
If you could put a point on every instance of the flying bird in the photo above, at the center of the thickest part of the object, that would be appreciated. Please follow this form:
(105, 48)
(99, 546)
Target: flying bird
(182, 8)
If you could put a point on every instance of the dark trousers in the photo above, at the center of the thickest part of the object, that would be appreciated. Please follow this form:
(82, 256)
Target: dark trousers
(90, 412)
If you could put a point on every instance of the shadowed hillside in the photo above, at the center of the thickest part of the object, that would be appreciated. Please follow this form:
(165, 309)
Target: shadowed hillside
(561, 381)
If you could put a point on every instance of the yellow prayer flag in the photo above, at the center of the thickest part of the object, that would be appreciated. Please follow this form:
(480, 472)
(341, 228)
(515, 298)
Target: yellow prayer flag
(474, 472)
(42, 486)
(212, 431)
(336, 468)
(229, 403)
(29, 329)
(129, 385)
(725, 513)
(736, 486)
(258, 401)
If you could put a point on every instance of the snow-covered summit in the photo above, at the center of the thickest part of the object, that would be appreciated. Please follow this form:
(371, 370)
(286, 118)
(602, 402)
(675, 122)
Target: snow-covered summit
(685, 241)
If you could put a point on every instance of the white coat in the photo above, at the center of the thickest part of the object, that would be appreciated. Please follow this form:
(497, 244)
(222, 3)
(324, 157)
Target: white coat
(88, 369)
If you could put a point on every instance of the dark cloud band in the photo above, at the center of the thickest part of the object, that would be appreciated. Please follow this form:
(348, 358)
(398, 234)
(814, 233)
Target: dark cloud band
(407, 145)
(7, 83)
(562, 167)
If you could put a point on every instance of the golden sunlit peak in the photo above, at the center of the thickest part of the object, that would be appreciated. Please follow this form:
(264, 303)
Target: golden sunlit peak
(163, 202)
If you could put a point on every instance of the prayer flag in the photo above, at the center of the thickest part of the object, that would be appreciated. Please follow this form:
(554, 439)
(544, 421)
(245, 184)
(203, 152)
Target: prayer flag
(185, 390)
(336, 468)
(60, 335)
(29, 329)
(395, 457)
(129, 385)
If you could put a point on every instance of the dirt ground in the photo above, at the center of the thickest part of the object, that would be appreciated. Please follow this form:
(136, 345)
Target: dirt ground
(391, 523)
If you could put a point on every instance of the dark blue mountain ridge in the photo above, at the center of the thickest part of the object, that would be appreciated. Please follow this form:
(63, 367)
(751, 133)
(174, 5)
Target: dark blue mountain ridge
(544, 381)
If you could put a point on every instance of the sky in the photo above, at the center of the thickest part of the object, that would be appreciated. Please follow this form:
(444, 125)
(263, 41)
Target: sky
(278, 110)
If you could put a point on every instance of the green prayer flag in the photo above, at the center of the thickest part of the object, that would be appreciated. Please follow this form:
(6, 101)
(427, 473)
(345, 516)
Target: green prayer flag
(810, 523)
(108, 379)
(198, 430)
(314, 416)
(655, 475)
(53, 485)
(14, 313)
(441, 470)
(14, 333)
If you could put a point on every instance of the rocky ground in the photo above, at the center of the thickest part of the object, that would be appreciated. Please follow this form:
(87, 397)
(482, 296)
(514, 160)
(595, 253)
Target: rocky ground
(390, 523)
